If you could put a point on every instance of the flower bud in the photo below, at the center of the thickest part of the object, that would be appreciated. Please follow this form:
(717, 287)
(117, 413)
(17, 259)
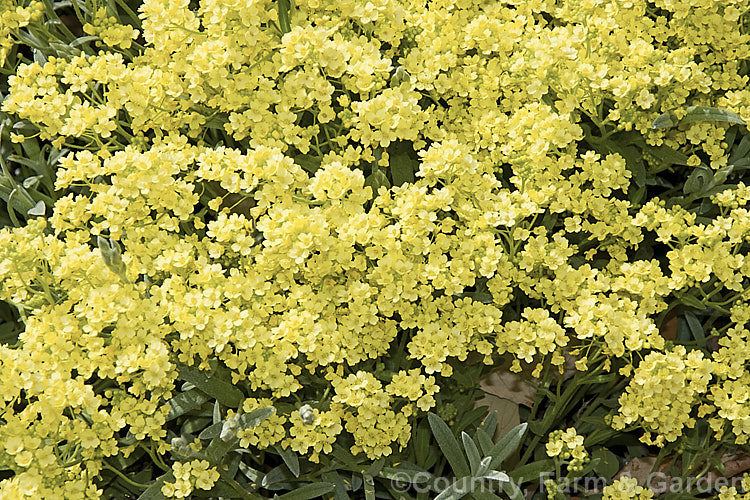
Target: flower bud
(307, 415)
(229, 428)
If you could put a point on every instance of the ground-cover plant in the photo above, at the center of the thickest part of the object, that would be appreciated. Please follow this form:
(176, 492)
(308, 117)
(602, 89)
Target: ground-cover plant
(271, 247)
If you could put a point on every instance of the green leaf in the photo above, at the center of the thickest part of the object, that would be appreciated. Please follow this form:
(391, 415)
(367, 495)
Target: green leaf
(484, 495)
(458, 489)
(695, 326)
(309, 163)
(403, 473)
(289, 458)
(710, 192)
(153, 492)
(667, 155)
(484, 469)
(629, 138)
(721, 175)
(216, 122)
(233, 466)
(376, 180)
(498, 476)
(532, 471)
(222, 489)
(211, 431)
(218, 449)
(30, 39)
(276, 478)
(356, 482)
(743, 148)
(37, 165)
(484, 440)
(222, 390)
(513, 491)
(195, 424)
(472, 452)
(742, 163)
(249, 472)
(123, 463)
(693, 302)
(340, 487)
(217, 412)
(32, 181)
(449, 445)
(369, 484)
(376, 467)
(283, 7)
(39, 209)
(308, 491)
(698, 180)
(489, 424)
(731, 135)
(696, 114)
(422, 443)
(470, 418)
(255, 417)
(345, 456)
(608, 464)
(549, 221)
(402, 164)
(636, 195)
(599, 379)
(506, 445)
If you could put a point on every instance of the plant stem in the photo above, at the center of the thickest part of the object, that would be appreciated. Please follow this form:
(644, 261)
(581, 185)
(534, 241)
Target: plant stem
(124, 477)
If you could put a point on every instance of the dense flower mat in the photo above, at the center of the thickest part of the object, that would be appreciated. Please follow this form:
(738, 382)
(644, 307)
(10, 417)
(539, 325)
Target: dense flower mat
(349, 211)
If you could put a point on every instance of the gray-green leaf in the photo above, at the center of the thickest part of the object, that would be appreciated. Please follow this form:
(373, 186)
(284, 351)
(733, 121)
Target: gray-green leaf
(458, 489)
(255, 417)
(449, 445)
(513, 491)
(223, 390)
(308, 491)
(506, 445)
(289, 458)
(696, 114)
(39, 209)
(472, 452)
(153, 492)
(185, 402)
(376, 180)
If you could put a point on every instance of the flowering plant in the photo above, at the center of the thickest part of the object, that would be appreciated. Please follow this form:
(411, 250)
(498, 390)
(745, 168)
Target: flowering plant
(274, 245)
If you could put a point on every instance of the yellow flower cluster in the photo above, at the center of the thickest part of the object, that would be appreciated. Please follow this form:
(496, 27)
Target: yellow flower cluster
(662, 393)
(568, 445)
(315, 432)
(626, 488)
(670, 389)
(110, 31)
(13, 17)
(60, 113)
(390, 116)
(413, 386)
(268, 432)
(729, 396)
(730, 492)
(188, 476)
(369, 417)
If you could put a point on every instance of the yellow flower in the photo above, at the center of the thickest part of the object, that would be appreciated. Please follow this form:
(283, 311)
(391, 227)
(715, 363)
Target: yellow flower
(626, 488)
